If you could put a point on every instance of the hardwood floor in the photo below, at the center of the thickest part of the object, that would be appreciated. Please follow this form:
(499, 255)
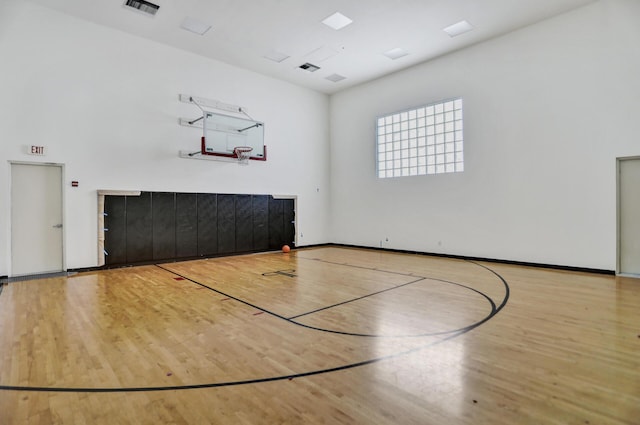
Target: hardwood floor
(325, 335)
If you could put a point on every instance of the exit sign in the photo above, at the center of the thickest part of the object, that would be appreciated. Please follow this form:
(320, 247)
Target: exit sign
(36, 150)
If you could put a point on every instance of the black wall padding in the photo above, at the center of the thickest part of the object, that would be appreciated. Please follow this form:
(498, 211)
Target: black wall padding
(115, 229)
(288, 214)
(139, 228)
(207, 224)
(260, 215)
(276, 224)
(186, 225)
(163, 209)
(226, 224)
(244, 224)
(159, 226)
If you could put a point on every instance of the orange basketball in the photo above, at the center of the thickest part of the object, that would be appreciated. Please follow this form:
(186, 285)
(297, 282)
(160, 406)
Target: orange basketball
(285, 248)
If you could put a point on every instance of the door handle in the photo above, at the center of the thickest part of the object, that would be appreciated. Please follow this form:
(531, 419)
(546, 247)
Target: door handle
(57, 226)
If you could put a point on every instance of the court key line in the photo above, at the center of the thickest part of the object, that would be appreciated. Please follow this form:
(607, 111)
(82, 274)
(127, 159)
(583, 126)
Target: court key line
(493, 306)
(358, 298)
(357, 267)
(493, 311)
(421, 278)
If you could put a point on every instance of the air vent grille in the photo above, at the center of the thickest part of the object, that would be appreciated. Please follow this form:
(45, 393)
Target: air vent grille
(336, 77)
(143, 6)
(309, 67)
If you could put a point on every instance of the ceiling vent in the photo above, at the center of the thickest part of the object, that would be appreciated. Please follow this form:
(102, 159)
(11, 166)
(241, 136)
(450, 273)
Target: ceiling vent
(458, 28)
(276, 56)
(309, 67)
(396, 53)
(143, 6)
(195, 26)
(335, 77)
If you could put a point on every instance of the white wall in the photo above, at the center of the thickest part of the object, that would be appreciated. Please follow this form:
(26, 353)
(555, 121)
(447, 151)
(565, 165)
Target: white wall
(547, 110)
(104, 104)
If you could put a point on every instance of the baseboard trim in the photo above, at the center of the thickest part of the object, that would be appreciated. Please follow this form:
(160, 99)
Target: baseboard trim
(489, 260)
(398, 251)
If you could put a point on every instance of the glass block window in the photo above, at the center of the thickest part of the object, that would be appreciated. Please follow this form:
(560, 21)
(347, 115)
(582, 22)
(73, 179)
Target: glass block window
(424, 140)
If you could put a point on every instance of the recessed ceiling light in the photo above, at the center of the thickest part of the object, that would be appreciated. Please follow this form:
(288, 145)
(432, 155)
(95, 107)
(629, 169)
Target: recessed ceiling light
(335, 77)
(458, 28)
(309, 67)
(337, 21)
(195, 26)
(276, 56)
(395, 53)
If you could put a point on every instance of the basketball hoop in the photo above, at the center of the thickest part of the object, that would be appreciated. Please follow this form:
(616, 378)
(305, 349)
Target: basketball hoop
(243, 153)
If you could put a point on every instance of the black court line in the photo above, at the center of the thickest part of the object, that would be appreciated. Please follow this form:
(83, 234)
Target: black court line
(358, 298)
(229, 383)
(287, 272)
(333, 331)
(504, 282)
(357, 267)
(223, 293)
(493, 305)
(274, 378)
(491, 302)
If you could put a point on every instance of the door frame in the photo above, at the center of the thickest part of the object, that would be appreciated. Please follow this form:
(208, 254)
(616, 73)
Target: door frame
(10, 208)
(619, 160)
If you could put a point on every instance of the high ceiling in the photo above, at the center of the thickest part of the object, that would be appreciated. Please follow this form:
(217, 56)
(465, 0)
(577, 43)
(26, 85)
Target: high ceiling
(243, 32)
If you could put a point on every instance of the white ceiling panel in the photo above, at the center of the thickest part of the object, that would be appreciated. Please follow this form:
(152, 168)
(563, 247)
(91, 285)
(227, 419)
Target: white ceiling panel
(243, 33)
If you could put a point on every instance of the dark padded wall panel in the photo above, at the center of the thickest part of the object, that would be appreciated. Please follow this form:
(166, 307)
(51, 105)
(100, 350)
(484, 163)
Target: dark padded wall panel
(276, 223)
(244, 224)
(139, 227)
(115, 235)
(289, 216)
(260, 215)
(163, 208)
(207, 224)
(163, 226)
(226, 224)
(186, 225)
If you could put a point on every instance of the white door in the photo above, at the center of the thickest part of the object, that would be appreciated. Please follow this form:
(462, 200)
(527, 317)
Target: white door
(629, 216)
(36, 219)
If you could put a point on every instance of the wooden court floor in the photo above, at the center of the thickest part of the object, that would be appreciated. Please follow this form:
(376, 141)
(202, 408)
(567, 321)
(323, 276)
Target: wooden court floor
(327, 335)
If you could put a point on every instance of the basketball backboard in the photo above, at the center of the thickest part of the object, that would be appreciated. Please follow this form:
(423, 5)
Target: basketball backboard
(223, 133)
